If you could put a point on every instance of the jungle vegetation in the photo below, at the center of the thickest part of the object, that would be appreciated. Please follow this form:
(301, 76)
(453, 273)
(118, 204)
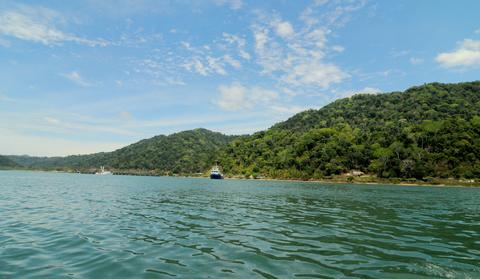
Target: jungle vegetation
(431, 130)
(6, 163)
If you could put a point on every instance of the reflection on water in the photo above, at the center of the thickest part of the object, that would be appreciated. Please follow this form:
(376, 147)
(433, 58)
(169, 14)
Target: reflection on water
(84, 226)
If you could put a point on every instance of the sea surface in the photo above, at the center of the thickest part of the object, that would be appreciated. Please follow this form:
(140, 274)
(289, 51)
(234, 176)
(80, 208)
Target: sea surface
(58, 225)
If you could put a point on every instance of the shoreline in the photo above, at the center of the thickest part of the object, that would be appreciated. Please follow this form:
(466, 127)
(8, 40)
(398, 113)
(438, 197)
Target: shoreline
(441, 182)
(379, 183)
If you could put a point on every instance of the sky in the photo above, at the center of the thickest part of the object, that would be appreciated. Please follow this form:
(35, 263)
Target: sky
(79, 77)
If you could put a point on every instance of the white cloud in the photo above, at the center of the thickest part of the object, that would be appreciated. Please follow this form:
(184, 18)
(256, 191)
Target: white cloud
(240, 43)
(261, 37)
(238, 97)
(234, 63)
(299, 62)
(38, 25)
(416, 60)
(216, 65)
(162, 68)
(284, 29)
(233, 97)
(260, 95)
(477, 31)
(205, 63)
(333, 13)
(195, 65)
(318, 37)
(467, 54)
(75, 77)
(315, 73)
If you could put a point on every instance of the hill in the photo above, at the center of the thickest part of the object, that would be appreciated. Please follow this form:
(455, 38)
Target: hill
(6, 163)
(431, 130)
(186, 152)
(427, 131)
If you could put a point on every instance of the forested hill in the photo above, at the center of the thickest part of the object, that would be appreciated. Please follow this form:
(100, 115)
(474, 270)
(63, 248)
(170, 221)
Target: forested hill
(185, 152)
(6, 163)
(432, 101)
(431, 130)
(427, 131)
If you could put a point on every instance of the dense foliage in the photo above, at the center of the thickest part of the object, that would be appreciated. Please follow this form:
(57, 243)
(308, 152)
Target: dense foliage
(6, 163)
(430, 130)
(426, 131)
(185, 152)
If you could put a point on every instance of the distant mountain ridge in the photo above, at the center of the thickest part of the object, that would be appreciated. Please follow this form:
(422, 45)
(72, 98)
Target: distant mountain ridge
(191, 151)
(431, 130)
(7, 163)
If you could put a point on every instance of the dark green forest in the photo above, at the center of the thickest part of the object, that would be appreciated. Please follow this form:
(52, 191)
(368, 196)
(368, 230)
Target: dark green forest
(186, 152)
(427, 131)
(6, 163)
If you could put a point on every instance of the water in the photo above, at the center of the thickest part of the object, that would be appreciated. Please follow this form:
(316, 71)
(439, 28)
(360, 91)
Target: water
(55, 225)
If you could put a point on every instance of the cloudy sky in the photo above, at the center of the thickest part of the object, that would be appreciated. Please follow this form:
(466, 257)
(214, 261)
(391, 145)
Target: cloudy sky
(86, 76)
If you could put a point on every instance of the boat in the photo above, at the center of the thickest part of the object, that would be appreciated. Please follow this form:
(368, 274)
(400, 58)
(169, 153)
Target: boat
(215, 173)
(103, 171)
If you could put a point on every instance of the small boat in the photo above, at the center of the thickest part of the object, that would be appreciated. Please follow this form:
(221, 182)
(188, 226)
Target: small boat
(215, 173)
(103, 171)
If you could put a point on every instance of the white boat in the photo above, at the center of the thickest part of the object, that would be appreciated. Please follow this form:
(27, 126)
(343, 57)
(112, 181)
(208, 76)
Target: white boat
(103, 171)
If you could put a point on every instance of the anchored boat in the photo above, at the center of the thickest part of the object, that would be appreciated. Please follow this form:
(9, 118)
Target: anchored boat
(215, 173)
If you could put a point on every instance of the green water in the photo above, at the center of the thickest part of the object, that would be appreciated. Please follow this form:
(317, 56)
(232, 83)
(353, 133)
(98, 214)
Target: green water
(55, 225)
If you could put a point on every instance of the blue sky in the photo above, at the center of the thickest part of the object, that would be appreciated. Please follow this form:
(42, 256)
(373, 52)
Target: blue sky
(86, 76)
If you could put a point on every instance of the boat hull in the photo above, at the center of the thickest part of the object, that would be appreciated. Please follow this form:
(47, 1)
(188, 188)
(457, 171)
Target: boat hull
(216, 176)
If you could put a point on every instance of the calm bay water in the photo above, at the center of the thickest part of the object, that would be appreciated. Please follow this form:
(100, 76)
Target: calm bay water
(55, 225)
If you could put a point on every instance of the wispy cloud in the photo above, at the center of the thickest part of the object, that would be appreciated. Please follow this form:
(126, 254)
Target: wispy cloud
(333, 13)
(284, 29)
(239, 43)
(208, 60)
(161, 69)
(467, 54)
(235, 97)
(75, 77)
(39, 25)
(297, 58)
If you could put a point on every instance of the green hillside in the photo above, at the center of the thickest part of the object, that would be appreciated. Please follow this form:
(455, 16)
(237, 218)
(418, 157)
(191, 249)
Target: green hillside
(427, 131)
(430, 130)
(6, 163)
(185, 152)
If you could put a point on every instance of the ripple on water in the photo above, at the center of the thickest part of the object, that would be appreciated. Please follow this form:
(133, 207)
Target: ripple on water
(85, 226)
